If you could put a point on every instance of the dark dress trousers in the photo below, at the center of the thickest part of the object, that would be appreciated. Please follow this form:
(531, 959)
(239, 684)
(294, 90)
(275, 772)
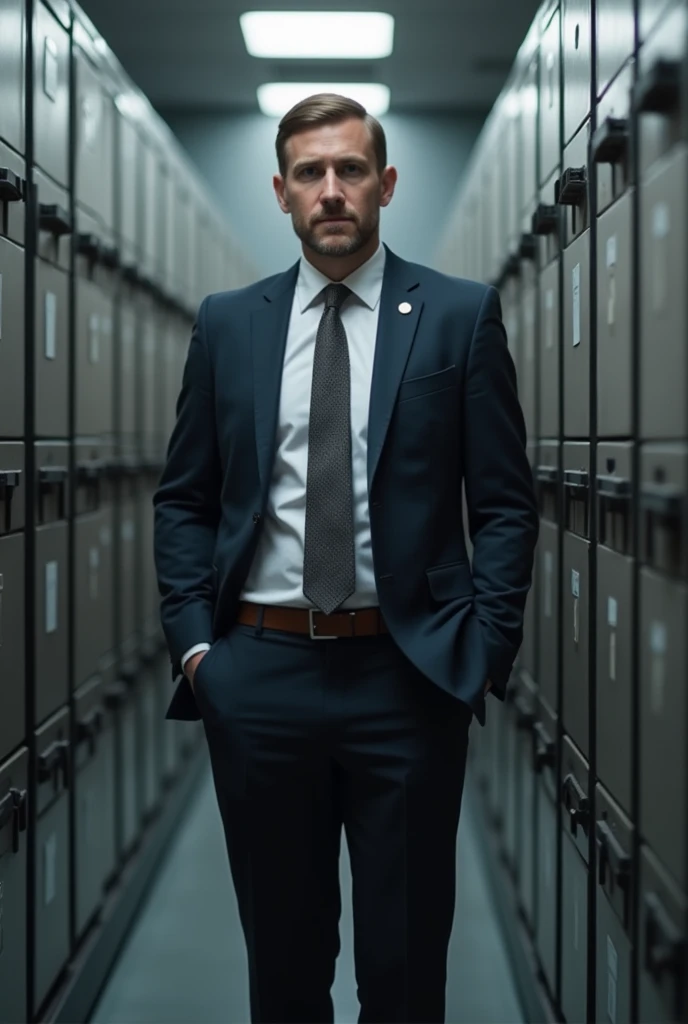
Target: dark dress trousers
(368, 733)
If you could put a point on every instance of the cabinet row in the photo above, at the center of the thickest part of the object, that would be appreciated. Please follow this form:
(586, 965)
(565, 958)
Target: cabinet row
(102, 768)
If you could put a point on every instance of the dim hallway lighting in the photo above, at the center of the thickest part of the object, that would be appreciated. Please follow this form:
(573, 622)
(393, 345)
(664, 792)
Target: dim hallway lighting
(318, 34)
(276, 98)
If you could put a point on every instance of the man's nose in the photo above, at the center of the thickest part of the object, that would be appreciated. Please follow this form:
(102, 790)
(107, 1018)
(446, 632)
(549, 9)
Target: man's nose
(332, 190)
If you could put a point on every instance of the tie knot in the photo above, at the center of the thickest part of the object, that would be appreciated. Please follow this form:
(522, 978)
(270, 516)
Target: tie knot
(335, 295)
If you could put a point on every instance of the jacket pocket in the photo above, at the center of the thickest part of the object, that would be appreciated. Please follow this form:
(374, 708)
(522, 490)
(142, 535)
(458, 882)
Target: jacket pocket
(414, 387)
(449, 581)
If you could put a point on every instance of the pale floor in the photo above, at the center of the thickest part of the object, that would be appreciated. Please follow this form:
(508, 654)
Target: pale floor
(185, 963)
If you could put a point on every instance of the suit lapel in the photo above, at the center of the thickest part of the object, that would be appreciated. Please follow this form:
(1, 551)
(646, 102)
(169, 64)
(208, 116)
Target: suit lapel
(395, 335)
(269, 330)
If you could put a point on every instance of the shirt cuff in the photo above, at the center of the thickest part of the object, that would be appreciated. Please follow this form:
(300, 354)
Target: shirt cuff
(193, 650)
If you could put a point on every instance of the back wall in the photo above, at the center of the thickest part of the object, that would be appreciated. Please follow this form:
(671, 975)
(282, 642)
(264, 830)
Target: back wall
(236, 155)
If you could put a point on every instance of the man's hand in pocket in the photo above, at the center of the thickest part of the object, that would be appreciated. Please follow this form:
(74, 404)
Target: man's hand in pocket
(191, 666)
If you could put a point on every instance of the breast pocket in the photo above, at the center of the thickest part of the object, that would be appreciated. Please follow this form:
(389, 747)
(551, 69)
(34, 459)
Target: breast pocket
(430, 384)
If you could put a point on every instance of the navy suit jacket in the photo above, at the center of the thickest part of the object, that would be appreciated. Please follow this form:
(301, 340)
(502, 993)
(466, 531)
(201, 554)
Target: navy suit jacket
(444, 412)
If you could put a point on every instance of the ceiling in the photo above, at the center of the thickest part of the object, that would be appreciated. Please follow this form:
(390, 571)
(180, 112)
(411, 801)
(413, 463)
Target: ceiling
(449, 55)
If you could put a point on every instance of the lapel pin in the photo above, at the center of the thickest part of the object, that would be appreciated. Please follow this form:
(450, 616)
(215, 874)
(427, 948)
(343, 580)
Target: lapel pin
(405, 307)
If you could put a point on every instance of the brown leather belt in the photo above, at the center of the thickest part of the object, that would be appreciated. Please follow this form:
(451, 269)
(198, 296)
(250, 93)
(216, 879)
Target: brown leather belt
(317, 625)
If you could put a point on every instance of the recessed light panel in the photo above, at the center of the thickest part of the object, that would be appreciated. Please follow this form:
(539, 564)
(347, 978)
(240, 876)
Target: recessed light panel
(312, 34)
(276, 98)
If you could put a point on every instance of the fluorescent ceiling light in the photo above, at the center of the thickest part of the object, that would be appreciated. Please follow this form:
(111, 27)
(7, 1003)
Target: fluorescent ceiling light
(316, 34)
(276, 98)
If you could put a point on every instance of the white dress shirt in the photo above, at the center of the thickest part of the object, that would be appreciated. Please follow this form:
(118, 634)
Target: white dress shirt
(276, 575)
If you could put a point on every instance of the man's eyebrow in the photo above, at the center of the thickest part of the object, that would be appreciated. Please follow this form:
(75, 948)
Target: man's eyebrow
(309, 161)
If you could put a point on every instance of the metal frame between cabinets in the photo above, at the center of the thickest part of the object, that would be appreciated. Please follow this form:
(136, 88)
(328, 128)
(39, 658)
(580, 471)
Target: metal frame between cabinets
(30, 233)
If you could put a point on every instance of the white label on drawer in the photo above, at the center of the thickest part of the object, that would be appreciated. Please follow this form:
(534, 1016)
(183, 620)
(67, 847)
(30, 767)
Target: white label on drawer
(94, 338)
(49, 870)
(612, 612)
(658, 638)
(658, 646)
(660, 258)
(51, 69)
(611, 300)
(575, 583)
(94, 565)
(105, 536)
(529, 325)
(549, 568)
(549, 319)
(128, 530)
(576, 306)
(0, 307)
(611, 251)
(50, 325)
(51, 596)
(612, 979)
(612, 656)
(660, 220)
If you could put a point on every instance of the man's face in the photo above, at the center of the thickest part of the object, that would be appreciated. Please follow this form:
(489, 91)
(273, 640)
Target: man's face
(332, 189)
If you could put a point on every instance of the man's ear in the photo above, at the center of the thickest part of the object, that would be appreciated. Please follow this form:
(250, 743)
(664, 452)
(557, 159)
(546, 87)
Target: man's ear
(279, 186)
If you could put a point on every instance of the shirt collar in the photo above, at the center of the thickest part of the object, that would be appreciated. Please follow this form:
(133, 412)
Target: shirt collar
(365, 283)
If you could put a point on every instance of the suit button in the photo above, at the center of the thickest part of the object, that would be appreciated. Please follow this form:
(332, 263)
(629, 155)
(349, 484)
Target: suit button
(256, 518)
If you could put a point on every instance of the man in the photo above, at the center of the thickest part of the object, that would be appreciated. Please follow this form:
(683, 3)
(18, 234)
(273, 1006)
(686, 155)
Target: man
(308, 534)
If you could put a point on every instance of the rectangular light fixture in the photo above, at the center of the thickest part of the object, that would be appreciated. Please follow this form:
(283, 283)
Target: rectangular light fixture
(276, 98)
(318, 34)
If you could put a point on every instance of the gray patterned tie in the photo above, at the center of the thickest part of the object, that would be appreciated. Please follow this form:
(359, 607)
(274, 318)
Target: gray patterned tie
(329, 571)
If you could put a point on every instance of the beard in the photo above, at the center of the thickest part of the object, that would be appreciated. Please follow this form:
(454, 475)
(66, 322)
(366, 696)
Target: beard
(339, 241)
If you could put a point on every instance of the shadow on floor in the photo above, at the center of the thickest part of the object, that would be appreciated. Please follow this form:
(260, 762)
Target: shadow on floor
(185, 963)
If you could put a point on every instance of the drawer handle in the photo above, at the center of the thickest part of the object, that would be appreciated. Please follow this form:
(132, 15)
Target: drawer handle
(664, 500)
(612, 855)
(52, 476)
(545, 220)
(527, 247)
(576, 803)
(547, 474)
(90, 472)
(665, 947)
(13, 808)
(89, 727)
(614, 488)
(88, 245)
(609, 144)
(10, 479)
(544, 749)
(109, 256)
(659, 89)
(52, 759)
(572, 187)
(55, 219)
(577, 480)
(11, 186)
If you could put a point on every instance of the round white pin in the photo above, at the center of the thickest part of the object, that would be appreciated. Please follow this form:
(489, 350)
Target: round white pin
(405, 307)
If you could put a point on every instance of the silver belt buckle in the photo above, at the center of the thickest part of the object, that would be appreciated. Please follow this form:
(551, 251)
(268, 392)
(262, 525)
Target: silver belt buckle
(311, 626)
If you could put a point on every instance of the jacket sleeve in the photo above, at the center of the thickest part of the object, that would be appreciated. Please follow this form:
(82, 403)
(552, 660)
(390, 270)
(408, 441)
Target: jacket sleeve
(187, 507)
(502, 509)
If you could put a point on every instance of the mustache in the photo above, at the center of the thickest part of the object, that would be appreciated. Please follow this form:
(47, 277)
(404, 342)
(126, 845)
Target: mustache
(334, 216)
